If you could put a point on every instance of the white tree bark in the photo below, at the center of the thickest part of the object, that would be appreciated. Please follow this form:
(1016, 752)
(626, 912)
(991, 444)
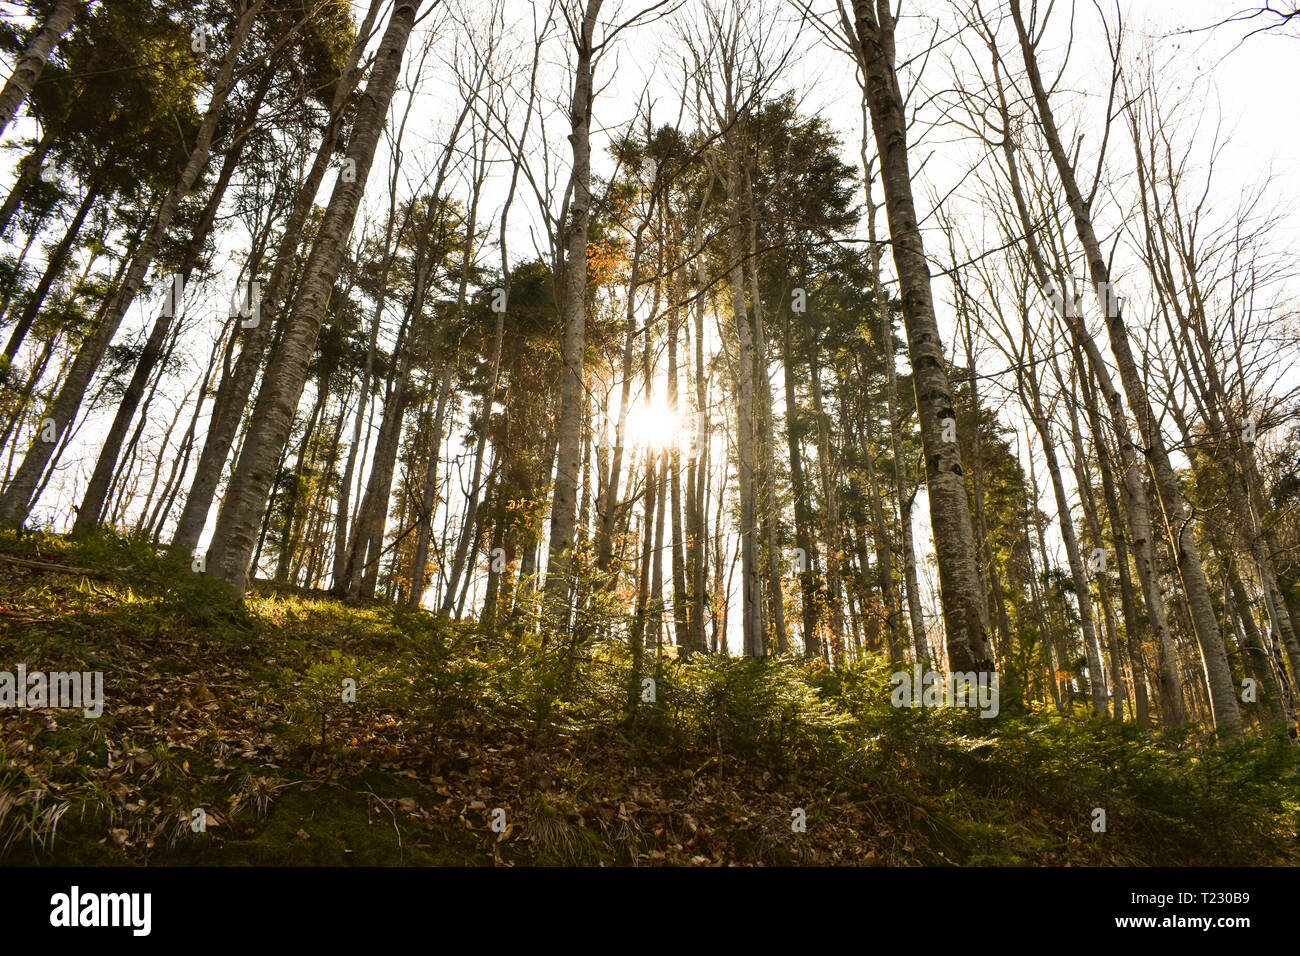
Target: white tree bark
(237, 523)
(29, 66)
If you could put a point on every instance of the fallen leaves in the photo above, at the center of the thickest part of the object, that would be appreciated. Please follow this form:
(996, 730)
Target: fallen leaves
(188, 727)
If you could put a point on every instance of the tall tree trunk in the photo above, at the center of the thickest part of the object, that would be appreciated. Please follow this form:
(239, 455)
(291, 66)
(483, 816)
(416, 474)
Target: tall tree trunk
(293, 493)
(911, 588)
(29, 170)
(830, 494)
(19, 266)
(92, 502)
(1179, 524)
(346, 559)
(754, 643)
(1092, 522)
(697, 498)
(1136, 504)
(641, 611)
(681, 612)
(181, 461)
(366, 546)
(228, 408)
(1258, 660)
(560, 564)
(965, 607)
(1001, 625)
(1053, 636)
(53, 269)
(342, 553)
(32, 61)
(38, 367)
(1030, 395)
(18, 499)
(467, 535)
(608, 504)
(429, 489)
(765, 442)
(657, 558)
(794, 430)
(884, 551)
(1133, 622)
(287, 372)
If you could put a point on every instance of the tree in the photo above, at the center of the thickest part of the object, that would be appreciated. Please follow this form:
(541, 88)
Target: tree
(286, 373)
(561, 565)
(18, 498)
(965, 607)
(32, 61)
(1179, 525)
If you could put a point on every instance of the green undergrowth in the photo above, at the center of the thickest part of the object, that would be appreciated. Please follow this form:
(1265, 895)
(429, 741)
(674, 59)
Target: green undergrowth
(313, 731)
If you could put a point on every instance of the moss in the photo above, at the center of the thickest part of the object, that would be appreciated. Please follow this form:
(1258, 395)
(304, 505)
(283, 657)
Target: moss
(332, 826)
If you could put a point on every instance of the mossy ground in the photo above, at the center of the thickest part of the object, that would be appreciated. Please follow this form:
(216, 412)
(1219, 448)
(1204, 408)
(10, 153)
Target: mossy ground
(236, 707)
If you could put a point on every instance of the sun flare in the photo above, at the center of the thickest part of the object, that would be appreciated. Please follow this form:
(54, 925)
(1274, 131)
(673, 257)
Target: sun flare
(654, 424)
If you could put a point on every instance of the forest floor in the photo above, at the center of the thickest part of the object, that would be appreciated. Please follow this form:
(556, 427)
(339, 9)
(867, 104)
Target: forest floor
(235, 707)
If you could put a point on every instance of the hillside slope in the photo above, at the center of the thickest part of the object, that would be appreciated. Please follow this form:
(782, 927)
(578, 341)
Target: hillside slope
(238, 709)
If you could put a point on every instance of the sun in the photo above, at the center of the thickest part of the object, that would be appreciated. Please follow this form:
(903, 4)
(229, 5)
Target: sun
(654, 424)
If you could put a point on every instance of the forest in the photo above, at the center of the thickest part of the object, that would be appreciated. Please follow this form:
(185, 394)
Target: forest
(649, 432)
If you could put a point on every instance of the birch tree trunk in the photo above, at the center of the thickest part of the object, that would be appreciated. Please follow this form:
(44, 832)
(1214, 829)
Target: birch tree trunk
(1136, 505)
(53, 267)
(697, 501)
(1092, 522)
(19, 497)
(287, 373)
(965, 606)
(1083, 596)
(1222, 695)
(29, 66)
(232, 399)
(92, 502)
(904, 497)
(794, 431)
(754, 639)
(560, 563)
(681, 611)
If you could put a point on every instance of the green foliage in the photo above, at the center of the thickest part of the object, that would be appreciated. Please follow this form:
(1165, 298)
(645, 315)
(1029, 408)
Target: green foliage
(951, 786)
(1168, 799)
(756, 708)
(330, 688)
